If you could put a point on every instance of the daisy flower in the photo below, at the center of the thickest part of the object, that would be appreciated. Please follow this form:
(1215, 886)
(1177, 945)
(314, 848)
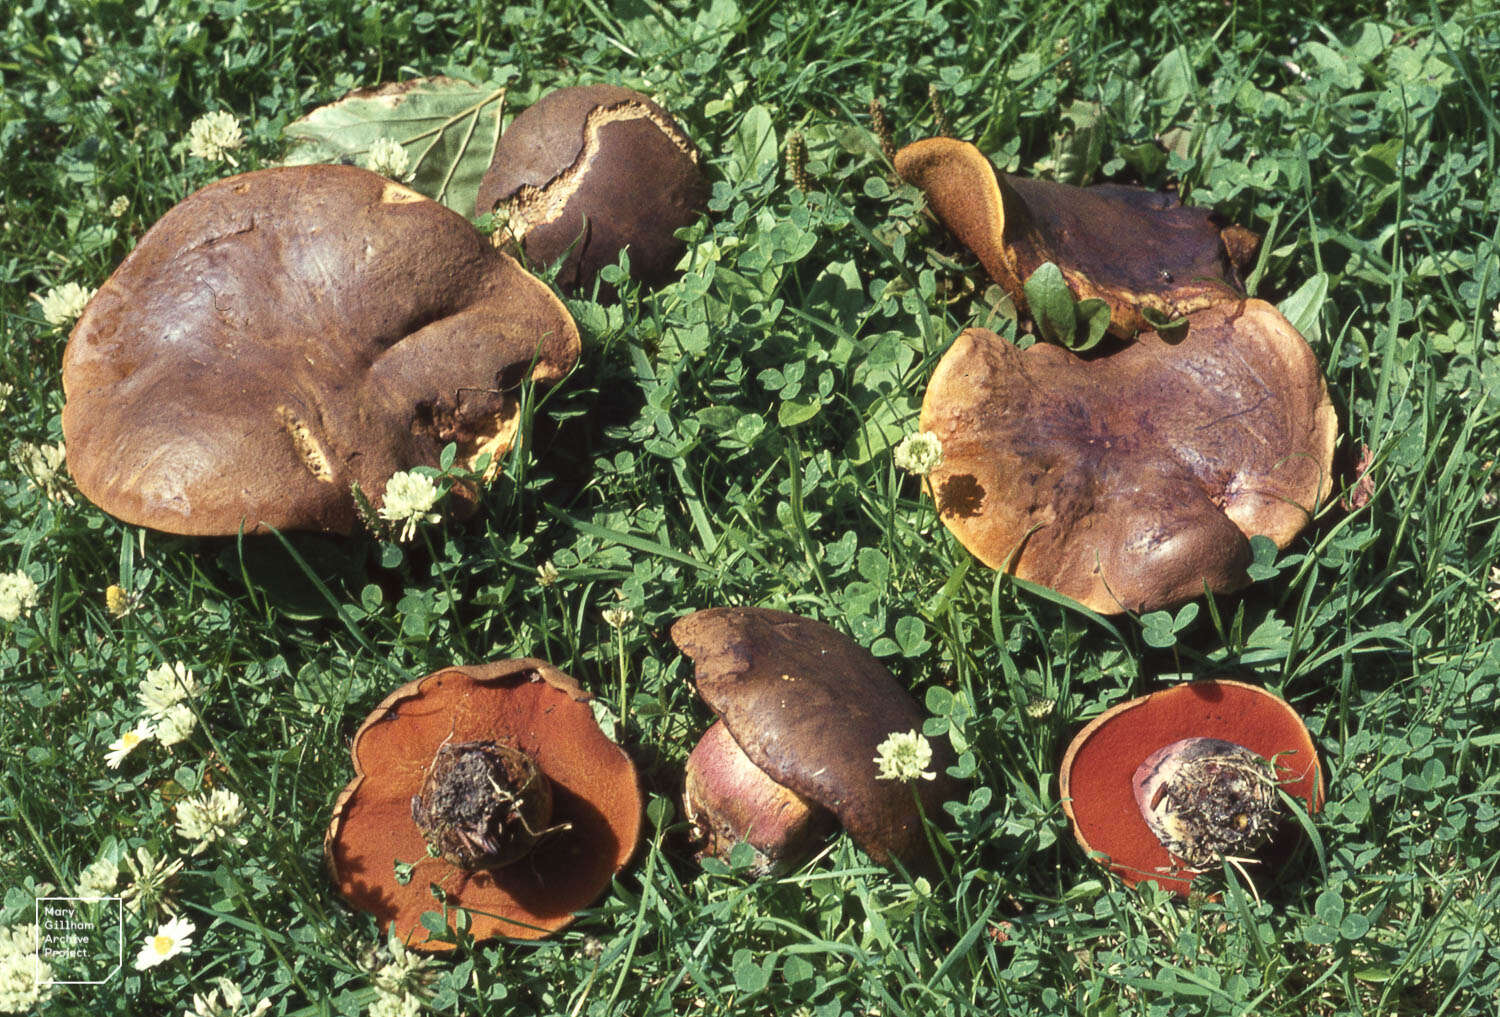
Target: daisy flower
(171, 939)
(126, 744)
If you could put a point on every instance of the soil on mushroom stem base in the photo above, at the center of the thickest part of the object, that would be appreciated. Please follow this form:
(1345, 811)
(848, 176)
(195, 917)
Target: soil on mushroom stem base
(1206, 798)
(483, 804)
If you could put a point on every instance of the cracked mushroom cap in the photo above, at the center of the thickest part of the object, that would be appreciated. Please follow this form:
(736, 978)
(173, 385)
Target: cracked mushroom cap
(809, 707)
(1097, 779)
(525, 704)
(589, 171)
(1130, 247)
(1131, 481)
(283, 334)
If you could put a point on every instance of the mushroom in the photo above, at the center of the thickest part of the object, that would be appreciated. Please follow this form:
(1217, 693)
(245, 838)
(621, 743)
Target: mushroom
(589, 171)
(1132, 248)
(802, 712)
(1132, 481)
(494, 784)
(283, 335)
(1166, 785)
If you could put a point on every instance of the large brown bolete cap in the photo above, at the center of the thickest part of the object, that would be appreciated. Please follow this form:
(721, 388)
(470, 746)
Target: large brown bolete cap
(1098, 792)
(1134, 480)
(809, 707)
(283, 334)
(519, 704)
(589, 171)
(1130, 247)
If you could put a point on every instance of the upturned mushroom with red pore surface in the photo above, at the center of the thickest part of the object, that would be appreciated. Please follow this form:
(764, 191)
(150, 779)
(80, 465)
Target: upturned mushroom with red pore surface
(803, 711)
(1167, 785)
(494, 783)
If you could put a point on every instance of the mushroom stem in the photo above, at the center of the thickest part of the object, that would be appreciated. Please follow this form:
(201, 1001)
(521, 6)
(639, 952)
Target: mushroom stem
(483, 804)
(1206, 799)
(729, 799)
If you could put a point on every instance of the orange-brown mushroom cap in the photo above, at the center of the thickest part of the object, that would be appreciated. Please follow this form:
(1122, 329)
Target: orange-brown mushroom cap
(527, 704)
(809, 706)
(1133, 480)
(1130, 247)
(283, 334)
(1097, 789)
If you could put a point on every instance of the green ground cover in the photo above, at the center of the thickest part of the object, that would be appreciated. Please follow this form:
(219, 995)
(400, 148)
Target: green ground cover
(726, 439)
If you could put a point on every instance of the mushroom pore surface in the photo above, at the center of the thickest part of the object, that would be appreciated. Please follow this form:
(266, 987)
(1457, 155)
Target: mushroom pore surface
(465, 761)
(281, 335)
(1113, 774)
(1132, 480)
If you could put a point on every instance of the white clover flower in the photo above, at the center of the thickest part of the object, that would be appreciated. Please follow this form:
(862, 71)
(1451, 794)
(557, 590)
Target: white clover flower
(1039, 709)
(150, 883)
(1493, 593)
(226, 999)
(176, 724)
(119, 206)
(903, 756)
(120, 602)
(62, 305)
(617, 617)
(210, 817)
(6, 391)
(395, 1004)
(214, 135)
(405, 969)
(165, 686)
(546, 574)
(408, 501)
(920, 452)
(394, 983)
(388, 158)
(126, 744)
(99, 879)
(18, 593)
(171, 939)
(43, 466)
(23, 975)
(1495, 317)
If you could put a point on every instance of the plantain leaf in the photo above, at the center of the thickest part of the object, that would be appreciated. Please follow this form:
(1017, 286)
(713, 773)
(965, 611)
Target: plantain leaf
(1052, 304)
(447, 127)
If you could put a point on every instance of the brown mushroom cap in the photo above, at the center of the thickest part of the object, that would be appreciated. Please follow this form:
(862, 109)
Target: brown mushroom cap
(591, 170)
(280, 335)
(529, 705)
(1098, 792)
(809, 707)
(1130, 247)
(1130, 481)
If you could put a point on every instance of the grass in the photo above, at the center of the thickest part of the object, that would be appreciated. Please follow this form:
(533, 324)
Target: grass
(726, 440)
